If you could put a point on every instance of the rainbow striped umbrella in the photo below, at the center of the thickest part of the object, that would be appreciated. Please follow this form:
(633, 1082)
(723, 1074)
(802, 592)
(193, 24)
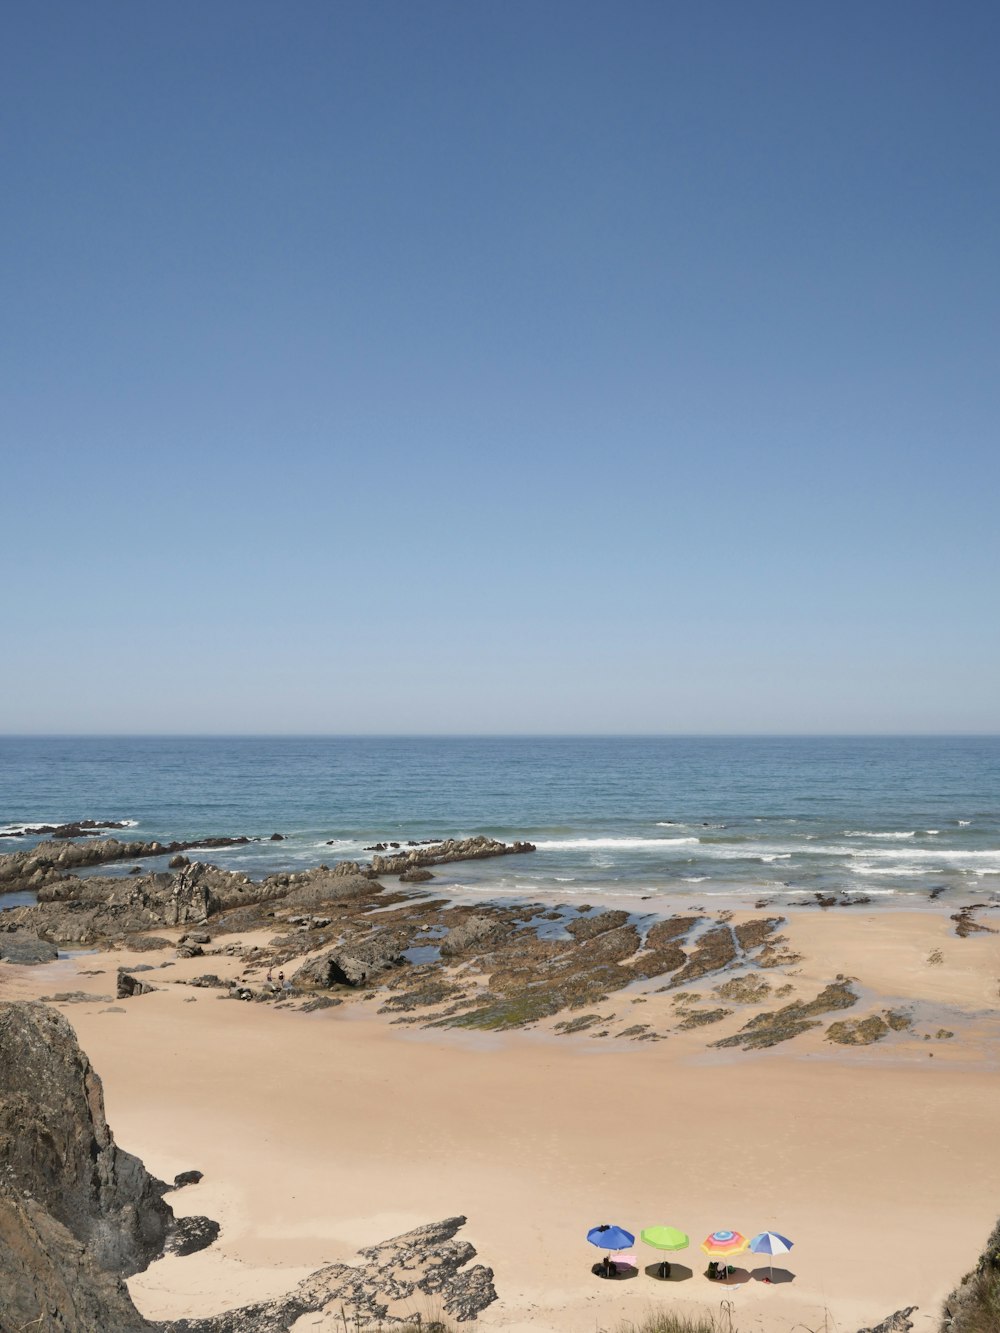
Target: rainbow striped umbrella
(721, 1244)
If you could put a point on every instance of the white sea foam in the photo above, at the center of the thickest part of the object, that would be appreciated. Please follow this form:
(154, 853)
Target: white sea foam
(964, 823)
(906, 871)
(866, 833)
(932, 855)
(611, 844)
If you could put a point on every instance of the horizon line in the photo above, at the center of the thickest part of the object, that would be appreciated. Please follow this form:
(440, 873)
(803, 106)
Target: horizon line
(499, 735)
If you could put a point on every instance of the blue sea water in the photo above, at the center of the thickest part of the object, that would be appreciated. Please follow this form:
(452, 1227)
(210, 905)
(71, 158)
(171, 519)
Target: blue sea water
(660, 815)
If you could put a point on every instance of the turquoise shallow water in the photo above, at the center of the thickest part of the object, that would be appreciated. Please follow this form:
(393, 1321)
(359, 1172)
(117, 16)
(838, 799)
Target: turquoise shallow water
(885, 816)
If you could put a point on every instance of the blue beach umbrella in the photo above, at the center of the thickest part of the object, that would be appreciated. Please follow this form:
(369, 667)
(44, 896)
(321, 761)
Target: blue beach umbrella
(607, 1237)
(769, 1242)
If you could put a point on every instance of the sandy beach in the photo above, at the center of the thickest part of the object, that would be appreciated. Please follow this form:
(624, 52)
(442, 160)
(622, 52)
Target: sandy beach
(320, 1133)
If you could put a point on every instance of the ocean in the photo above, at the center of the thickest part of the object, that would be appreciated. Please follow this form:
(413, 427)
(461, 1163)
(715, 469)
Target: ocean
(889, 817)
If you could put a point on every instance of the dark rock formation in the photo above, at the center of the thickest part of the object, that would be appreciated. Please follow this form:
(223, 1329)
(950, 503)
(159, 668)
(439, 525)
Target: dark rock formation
(474, 932)
(49, 861)
(466, 849)
(187, 1178)
(191, 1234)
(418, 875)
(128, 986)
(306, 892)
(427, 1261)
(357, 962)
(50, 1281)
(587, 927)
(76, 1213)
(83, 911)
(26, 949)
(79, 828)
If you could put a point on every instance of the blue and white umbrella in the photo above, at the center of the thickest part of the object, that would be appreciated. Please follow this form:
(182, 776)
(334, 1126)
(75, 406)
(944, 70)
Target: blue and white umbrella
(769, 1242)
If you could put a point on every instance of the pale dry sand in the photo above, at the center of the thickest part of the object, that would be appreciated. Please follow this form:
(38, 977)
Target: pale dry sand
(321, 1133)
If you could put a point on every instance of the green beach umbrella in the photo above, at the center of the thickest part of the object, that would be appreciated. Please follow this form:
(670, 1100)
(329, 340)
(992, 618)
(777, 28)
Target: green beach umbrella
(664, 1238)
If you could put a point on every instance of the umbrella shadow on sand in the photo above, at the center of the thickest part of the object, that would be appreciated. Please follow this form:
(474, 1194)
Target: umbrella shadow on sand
(734, 1279)
(774, 1275)
(678, 1272)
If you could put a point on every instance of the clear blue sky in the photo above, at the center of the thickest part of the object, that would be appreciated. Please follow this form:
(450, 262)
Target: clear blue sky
(519, 365)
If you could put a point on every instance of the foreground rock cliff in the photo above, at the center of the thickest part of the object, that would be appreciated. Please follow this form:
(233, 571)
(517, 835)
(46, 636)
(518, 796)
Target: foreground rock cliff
(77, 1214)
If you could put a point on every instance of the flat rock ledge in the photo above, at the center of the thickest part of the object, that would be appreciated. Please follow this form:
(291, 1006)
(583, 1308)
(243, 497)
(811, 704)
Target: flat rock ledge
(427, 1261)
(441, 853)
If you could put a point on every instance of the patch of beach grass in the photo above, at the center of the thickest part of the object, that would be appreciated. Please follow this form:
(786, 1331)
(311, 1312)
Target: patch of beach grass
(673, 1321)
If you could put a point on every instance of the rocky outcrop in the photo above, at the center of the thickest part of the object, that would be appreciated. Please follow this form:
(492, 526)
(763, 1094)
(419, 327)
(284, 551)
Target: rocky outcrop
(427, 1261)
(356, 963)
(49, 1280)
(79, 828)
(49, 861)
(309, 891)
(77, 1214)
(26, 949)
(466, 849)
(55, 1144)
(128, 986)
(476, 932)
(83, 911)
